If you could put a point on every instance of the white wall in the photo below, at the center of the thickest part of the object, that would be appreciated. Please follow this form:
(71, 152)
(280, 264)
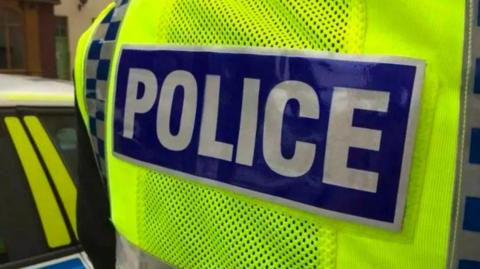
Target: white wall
(79, 20)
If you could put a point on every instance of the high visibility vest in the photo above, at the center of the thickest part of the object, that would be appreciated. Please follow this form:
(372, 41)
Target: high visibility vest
(287, 134)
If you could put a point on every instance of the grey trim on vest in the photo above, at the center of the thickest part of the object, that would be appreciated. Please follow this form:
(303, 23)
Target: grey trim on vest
(130, 256)
(464, 245)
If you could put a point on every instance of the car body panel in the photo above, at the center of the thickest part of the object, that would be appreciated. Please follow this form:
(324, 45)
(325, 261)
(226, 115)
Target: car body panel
(43, 135)
(35, 91)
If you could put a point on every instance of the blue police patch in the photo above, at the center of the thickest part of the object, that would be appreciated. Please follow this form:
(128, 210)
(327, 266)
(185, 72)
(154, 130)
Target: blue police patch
(327, 133)
(75, 261)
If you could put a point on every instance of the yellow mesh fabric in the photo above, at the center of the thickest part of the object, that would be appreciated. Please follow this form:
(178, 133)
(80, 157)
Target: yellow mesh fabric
(331, 25)
(191, 225)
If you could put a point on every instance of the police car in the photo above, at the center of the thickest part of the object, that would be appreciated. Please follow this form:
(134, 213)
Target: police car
(38, 162)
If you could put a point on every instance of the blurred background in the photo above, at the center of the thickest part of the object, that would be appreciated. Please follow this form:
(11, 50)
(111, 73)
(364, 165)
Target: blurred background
(38, 37)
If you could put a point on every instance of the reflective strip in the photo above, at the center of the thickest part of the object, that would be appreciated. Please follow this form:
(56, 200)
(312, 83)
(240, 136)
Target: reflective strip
(97, 69)
(59, 173)
(130, 256)
(51, 218)
(465, 236)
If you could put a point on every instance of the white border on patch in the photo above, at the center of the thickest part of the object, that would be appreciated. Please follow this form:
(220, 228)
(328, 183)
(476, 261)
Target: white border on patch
(414, 111)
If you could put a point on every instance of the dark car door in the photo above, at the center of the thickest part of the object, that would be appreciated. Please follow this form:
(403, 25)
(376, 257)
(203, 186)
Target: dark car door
(38, 162)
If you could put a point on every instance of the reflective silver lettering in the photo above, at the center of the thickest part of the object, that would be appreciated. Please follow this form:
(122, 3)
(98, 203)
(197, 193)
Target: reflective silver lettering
(177, 80)
(304, 155)
(135, 105)
(342, 135)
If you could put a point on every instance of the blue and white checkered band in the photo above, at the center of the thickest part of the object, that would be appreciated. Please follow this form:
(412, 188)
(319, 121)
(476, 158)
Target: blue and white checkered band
(465, 247)
(98, 64)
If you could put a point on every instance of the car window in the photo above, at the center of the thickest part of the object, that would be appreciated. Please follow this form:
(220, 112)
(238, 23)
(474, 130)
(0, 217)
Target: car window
(62, 132)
